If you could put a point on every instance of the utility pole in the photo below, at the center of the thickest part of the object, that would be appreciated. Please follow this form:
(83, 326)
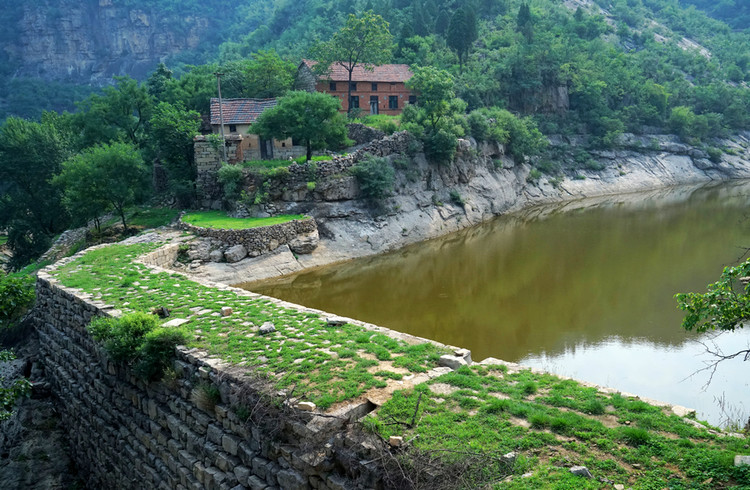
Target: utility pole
(221, 117)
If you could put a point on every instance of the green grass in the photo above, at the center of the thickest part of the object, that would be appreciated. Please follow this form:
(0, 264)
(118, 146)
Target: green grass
(151, 217)
(319, 363)
(273, 164)
(220, 220)
(3, 239)
(565, 427)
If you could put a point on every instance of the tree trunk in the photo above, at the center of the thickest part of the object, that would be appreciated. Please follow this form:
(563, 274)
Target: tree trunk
(309, 150)
(349, 91)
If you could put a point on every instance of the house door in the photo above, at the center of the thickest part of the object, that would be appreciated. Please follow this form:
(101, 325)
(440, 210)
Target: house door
(373, 104)
(266, 149)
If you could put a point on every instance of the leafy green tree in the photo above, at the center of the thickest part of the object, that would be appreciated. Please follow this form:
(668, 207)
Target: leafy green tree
(158, 81)
(112, 173)
(30, 155)
(525, 22)
(171, 130)
(268, 75)
(313, 118)
(435, 93)
(375, 176)
(362, 41)
(462, 32)
(119, 114)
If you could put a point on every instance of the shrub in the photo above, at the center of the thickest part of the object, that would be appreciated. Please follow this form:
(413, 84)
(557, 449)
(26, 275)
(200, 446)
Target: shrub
(138, 341)
(634, 436)
(456, 197)
(375, 177)
(16, 297)
(534, 175)
(230, 177)
(205, 396)
(714, 154)
(440, 146)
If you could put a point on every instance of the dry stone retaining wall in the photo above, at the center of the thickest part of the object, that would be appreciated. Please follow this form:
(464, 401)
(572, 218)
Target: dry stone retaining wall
(258, 241)
(125, 433)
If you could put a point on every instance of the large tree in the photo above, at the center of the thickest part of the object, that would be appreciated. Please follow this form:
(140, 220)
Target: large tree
(30, 155)
(462, 32)
(363, 41)
(311, 117)
(112, 174)
(268, 75)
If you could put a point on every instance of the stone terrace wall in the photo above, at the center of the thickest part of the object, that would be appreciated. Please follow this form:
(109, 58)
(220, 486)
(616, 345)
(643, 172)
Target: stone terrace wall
(125, 433)
(258, 241)
(208, 162)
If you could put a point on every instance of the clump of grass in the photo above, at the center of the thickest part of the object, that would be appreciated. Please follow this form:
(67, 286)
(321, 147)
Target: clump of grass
(205, 396)
(634, 436)
(594, 406)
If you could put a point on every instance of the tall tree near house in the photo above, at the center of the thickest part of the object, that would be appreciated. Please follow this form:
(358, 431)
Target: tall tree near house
(525, 22)
(363, 41)
(462, 32)
(268, 75)
(311, 117)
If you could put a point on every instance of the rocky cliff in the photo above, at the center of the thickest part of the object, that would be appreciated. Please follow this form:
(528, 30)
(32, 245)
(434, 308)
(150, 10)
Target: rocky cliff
(89, 41)
(429, 201)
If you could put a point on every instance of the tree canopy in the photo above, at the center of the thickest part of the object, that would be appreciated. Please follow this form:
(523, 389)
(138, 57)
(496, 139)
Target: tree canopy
(310, 117)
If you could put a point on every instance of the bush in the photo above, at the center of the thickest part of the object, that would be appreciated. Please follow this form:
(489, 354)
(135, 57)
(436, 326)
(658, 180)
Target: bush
(138, 341)
(714, 154)
(633, 436)
(375, 177)
(440, 146)
(16, 297)
(230, 177)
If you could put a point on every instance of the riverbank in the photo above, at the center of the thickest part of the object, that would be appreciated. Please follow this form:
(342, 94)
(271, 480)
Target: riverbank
(429, 201)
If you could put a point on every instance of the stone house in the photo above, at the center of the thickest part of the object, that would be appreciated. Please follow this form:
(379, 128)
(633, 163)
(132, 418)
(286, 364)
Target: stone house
(379, 90)
(239, 116)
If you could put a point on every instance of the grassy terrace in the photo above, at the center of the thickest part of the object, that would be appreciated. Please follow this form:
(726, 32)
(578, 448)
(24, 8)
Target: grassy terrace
(324, 364)
(220, 220)
(456, 426)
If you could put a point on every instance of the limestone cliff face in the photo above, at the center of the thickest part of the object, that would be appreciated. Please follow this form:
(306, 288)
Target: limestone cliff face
(92, 40)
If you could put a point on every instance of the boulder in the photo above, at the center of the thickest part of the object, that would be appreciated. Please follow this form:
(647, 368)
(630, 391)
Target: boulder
(453, 362)
(216, 256)
(581, 471)
(266, 328)
(235, 253)
(306, 243)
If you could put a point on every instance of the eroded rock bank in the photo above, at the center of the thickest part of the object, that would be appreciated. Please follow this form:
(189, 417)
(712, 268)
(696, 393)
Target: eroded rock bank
(429, 201)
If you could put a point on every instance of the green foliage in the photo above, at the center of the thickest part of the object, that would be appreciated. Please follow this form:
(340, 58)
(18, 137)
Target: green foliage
(16, 297)
(119, 114)
(363, 40)
(435, 89)
(230, 177)
(375, 177)
(456, 197)
(30, 155)
(171, 132)
(462, 32)
(309, 117)
(103, 175)
(724, 306)
(10, 393)
(138, 341)
(521, 135)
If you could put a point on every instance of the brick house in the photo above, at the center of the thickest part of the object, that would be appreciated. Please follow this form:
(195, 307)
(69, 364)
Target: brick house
(239, 115)
(381, 90)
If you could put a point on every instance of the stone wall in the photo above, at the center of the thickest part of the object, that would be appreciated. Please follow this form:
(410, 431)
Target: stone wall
(257, 241)
(125, 433)
(207, 164)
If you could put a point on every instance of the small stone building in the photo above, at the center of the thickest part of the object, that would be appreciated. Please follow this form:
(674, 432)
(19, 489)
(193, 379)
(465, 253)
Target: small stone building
(239, 115)
(375, 89)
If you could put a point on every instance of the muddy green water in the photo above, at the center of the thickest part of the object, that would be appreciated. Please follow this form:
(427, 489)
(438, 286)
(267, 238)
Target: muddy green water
(583, 289)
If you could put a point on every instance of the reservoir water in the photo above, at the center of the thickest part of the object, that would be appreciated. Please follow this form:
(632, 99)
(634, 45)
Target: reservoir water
(582, 289)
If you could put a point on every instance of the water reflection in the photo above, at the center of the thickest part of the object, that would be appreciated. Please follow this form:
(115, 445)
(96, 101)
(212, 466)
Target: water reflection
(576, 286)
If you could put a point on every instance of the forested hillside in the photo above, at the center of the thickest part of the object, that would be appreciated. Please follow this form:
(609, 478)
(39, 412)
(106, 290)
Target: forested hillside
(736, 13)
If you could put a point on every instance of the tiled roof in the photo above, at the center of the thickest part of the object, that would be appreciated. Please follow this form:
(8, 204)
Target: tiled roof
(239, 111)
(381, 73)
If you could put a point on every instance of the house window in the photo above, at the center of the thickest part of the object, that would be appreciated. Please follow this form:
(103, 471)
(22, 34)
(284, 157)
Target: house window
(332, 86)
(413, 99)
(232, 128)
(374, 87)
(353, 86)
(354, 102)
(393, 101)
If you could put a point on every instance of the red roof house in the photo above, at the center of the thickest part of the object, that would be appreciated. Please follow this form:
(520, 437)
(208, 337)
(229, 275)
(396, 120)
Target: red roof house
(376, 89)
